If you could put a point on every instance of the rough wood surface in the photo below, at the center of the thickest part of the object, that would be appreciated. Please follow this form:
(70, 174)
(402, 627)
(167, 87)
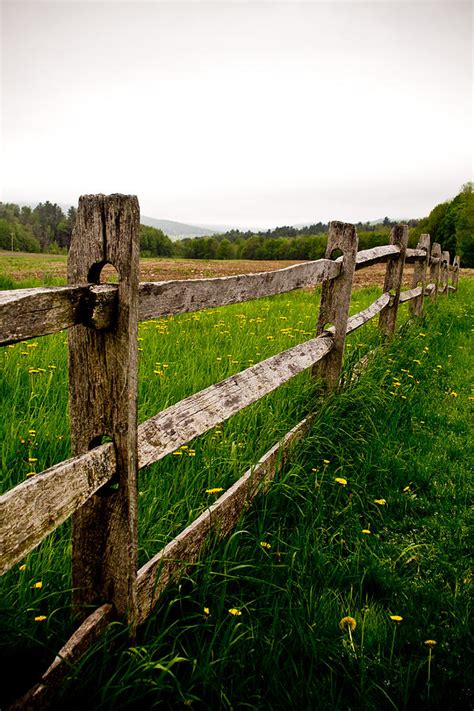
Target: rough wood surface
(42, 694)
(393, 281)
(173, 297)
(410, 294)
(358, 320)
(37, 506)
(418, 254)
(420, 273)
(445, 272)
(435, 267)
(335, 301)
(102, 402)
(28, 313)
(198, 413)
(455, 271)
(220, 519)
(375, 255)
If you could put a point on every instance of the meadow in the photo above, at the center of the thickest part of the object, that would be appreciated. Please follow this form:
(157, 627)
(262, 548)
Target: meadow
(328, 591)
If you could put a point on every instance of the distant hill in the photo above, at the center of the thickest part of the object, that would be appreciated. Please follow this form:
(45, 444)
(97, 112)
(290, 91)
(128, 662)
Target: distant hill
(176, 230)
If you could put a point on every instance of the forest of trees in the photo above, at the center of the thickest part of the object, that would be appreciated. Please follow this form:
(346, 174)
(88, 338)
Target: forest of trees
(46, 228)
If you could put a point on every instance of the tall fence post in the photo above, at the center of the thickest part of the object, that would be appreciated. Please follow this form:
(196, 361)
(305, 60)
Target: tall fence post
(393, 281)
(455, 272)
(103, 404)
(445, 272)
(335, 301)
(419, 276)
(435, 266)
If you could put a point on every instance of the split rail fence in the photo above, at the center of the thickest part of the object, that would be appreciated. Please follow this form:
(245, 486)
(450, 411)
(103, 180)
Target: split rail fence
(98, 485)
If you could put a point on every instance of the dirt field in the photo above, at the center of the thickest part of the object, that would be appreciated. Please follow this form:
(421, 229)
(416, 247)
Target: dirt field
(20, 266)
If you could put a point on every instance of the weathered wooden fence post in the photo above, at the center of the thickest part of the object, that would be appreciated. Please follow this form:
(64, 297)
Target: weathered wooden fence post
(419, 276)
(445, 272)
(103, 403)
(393, 281)
(455, 272)
(435, 266)
(335, 301)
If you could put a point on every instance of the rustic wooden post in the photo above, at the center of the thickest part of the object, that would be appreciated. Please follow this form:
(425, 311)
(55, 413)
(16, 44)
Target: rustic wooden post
(419, 276)
(103, 403)
(445, 272)
(335, 301)
(455, 273)
(393, 281)
(435, 265)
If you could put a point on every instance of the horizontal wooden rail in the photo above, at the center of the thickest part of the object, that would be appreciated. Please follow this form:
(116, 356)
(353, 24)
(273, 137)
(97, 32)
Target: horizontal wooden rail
(36, 507)
(410, 294)
(219, 518)
(30, 313)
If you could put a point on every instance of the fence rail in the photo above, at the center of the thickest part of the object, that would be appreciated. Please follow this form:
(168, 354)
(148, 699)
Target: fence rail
(103, 320)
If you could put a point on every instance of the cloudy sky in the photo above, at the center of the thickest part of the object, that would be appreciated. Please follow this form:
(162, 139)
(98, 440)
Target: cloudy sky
(245, 113)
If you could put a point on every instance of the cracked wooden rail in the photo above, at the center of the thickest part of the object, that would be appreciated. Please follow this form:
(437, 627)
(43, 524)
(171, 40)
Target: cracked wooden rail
(30, 313)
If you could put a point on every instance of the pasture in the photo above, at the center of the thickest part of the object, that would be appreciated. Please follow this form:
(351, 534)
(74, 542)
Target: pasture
(368, 521)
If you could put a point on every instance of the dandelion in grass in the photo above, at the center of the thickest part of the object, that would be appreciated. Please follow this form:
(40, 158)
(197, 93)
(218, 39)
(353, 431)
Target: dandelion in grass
(32, 460)
(40, 618)
(366, 531)
(430, 643)
(215, 490)
(397, 619)
(207, 612)
(22, 567)
(340, 480)
(234, 612)
(380, 502)
(326, 461)
(265, 545)
(38, 585)
(348, 624)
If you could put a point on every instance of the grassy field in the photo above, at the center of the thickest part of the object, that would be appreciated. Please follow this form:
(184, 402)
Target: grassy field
(390, 541)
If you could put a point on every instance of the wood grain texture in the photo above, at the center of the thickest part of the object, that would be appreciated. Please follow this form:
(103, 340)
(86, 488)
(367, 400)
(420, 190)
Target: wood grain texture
(445, 272)
(28, 313)
(393, 281)
(218, 519)
(41, 696)
(335, 301)
(172, 297)
(420, 274)
(410, 294)
(418, 254)
(435, 267)
(358, 320)
(36, 507)
(375, 255)
(198, 413)
(455, 271)
(102, 402)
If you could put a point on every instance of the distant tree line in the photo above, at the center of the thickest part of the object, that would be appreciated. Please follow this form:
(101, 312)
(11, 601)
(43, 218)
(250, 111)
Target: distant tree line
(46, 228)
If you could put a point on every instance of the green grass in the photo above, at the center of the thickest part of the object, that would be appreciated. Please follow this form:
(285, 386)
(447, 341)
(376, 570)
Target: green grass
(285, 649)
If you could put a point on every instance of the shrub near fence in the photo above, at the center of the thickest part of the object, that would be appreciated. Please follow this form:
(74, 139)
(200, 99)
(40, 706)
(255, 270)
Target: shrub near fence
(98, 485)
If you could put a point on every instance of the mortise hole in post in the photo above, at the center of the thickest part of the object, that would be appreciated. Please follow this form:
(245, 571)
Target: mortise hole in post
(103, 273)
(336, 253)
(327, 326)
(112, 486)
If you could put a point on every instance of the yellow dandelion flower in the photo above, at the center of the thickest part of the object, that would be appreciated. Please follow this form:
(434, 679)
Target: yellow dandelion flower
(326, 461)
(235, 612)
(215, 490)
(347, 623)
(340, 480)
(31, 460)
(380, 502)
(40, 618)
(178, 453)
(417, 361)
(396, 618)
(430, 642)
(206, 611)
(367, 531)
(266, 545)
(22, 567)
(38, 585)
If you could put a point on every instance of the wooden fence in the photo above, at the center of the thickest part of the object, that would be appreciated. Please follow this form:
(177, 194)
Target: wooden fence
(98, 485)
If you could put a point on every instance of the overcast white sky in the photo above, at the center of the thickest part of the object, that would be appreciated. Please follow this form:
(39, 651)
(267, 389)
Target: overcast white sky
(246, 113)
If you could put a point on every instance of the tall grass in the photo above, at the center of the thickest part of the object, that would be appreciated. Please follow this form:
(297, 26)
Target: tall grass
(403, 444)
